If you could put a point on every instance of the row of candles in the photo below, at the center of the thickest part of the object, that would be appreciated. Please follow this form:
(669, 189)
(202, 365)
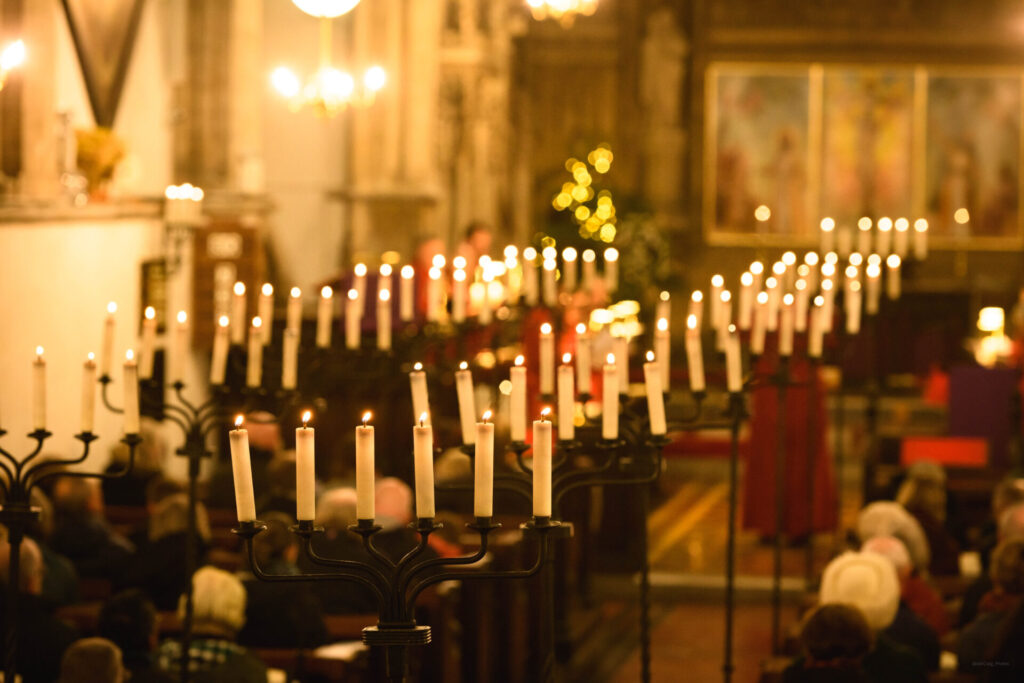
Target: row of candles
(884, 237)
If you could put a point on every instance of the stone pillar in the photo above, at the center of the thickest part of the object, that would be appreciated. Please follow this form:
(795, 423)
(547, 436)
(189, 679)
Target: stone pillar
(246, 80)
(39, 157)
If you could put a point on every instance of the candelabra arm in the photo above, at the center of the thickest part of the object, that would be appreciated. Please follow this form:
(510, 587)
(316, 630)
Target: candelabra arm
(513, 482)
(130, 440)
(698, 410)
(378, 578)
(3, 465)
(561, 488)
(483, 526)
(367, 530)
(105, 381)
(40, 436)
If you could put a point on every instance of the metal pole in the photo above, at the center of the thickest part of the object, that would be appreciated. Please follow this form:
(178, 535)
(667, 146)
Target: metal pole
(645, 588)
(812, 453)
(782, 385)
(190, 558)
(736, 408)
(15, 534)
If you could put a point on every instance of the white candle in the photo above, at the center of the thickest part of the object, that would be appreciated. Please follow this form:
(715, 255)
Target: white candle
(384, 320)
(694, 356)
(655, 397)
(365, 494)
(828, 235)
(786, 325)
(265, 310)
(610, 400)
(817, 329)
(531, 279)
(883, 238)
(715, 296)
(423, 465)
(324, 316)
(293, 313)
(434, 294)
(663, 309)
(566, 400)
(467, 409)
(757, 270)
(550, 288)
(853, 306)
(407, 297)
(611, 269)
(583, 359)
(873, 288)
(785, 271)
(148, 343)
(88, 394)
(893, 277)
(219, 361)
(289, 359)
(486, 314)
(547, 360)
(181, 344)
(901, 237)
(359, 284)
(418, 385)
(662, 351)
(254, 367)
(745, 313)
(384, 278)
(864, 235)
(517, 401)
(803, 299)
(920, 239)
(542, 465)
(131, 394)
(459, 296)
(483, 468)
(622, 363)
(238, 314)
(828, 295)
(724, 319)
(811, 264)
(39, 391)
(757, 332)
(696, 308)
(107, 350)
(569, 269)
(305, 471)
(733, 362)
(241, 468)
(589, 268)
(353, 320)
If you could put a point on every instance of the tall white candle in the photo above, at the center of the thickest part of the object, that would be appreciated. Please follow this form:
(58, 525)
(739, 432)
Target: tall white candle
(589, 268)
(771, 286)
(289, 359)
(219, 359)
(828, 235)
(920, 239)
(181, 344)
(569, 269)
(733, 362)
(265, 310)
(549, 282)
(787, 321)
(853, 308)
(531, 279)
(817, 328)
(305, 470)
(254, 367)
(694, 355)
(238, 314)
(610, 399)
(148, 343)
(663, 309)
(663, 351)
(88, 393)
(293, 313)
(757, 271)
(696, 308)
(715, 299)
(745, 314)
(872, 288)
(39, 391)
(864, 235)
(459, 296)
(418, 386)
(384, 320)
(365, 493)
(423, 464)
(407, 295)
(434, 294)
(241, 468)
(353, 320)
(901, 237)
(517, 401)
(131, 394)
(622, 363)
(566, 400)
(583, 359)
(542, 465)
(883, 238)
(611, 269)
(483, 468)
(760, 327)
(359, 284)
(324, 317)
(802, 301)
(546, 360)
(892, 275)
(467, 409)
(811, 262)
(384, 278)
(655, 397)
(724, 319)
(107, 350)
(828, 309)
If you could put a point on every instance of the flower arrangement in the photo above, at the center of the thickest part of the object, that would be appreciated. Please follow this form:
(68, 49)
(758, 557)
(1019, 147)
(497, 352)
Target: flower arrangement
(99, 152)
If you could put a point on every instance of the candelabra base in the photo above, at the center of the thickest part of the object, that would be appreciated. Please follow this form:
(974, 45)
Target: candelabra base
(396, 634)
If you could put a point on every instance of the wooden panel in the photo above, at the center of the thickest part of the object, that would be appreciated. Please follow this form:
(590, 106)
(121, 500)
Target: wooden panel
(224, 246)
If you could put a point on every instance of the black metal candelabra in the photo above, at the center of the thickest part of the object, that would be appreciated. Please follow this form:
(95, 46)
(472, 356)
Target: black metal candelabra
(20, 477)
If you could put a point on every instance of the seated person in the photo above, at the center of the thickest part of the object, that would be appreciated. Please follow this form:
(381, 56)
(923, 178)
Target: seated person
(1010, 525)
(92, 660)
(60, 580)
(81, 533)
(129, 620)
(218, 605)
(886, 518)
(157, 489)
(280, 615)
(869, 583)
(907, 627)
(336, 511)
(159, 566)
(923, 495)
(1007, 573)
(42, 638)
(394, 507)
(280, 491)
(834, 641)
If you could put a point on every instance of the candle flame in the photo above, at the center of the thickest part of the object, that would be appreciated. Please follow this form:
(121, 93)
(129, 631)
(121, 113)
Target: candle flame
(589, 255)
(353, 294)
(828, 269)
(39, 351)
(129, 355)
(566, 358)
(885, 224)
(746, 279)
(435, 273)
(239, 419)
(827, 224)
(789, 258)
(611, 254)
(581, 328)
(610, 359)
(326, 292)
(417, 366)
(778, 267)
(864, 223)
(182, 317)
(854, 286)
(788, 299)
(459, 276)
(650, 356)
(732, 329)
(550, 264)
(296, 293)
(150, 313)
(463, 365)
(697, 296)
(664, 296)
(223, 321)
(873, 270)
(384, 295)
(91, 356)
(756, 267)
(856, 259)
(486, 416)
(921, 225)
(725, 296)
(438, 261)
(267, 289)
(459, 262)
(811, 258)
(529, 253)
(762, 297)
(360, 270)
(408, 272)
(239, 288)
(771, 283)
(901, 225)
(112, 307)
(307, 415)
(423, 418)
(366, 417)
(662, 324)
(545, 413)
(875, 259)
(826, 285)
(257, 322)
(511, 251)
(519, 360)
(545, 328)
(801, 284)
(851, 272)
(717, 280)
(569, 254)
(691, 321)
(385, 269)
(819, 300)
(893, 261)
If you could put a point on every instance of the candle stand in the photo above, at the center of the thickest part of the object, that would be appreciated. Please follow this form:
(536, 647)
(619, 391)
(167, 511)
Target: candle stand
(781, 380)
(20, 476)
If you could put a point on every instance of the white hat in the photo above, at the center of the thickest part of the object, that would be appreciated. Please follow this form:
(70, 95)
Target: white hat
(886, 518)
(217, 597)
(865, 580)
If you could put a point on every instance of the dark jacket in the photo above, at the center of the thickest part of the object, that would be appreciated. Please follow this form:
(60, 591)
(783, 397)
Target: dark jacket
(282, 615)
(96, 550)
(890, 662)
(42, 638)
(910, 630)
(158, 568)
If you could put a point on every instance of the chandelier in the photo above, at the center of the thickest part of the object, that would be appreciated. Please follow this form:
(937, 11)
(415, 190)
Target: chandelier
(562, 11)
(11, 57)
(328, 90)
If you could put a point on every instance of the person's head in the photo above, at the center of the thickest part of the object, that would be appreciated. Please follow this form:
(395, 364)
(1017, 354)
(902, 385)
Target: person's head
(836, 633)
(478, 236)
(277, 542)
(924, 489)
(886, 518)
(393, 503)
(865, 580)
(337, 509)
(170, 516)
(1007, 493)
(30, 568)
(218, 603)
(892, 549)
(129, 620)
(1011, 522)
(91, 660)
(77, 498)
(1007, 566)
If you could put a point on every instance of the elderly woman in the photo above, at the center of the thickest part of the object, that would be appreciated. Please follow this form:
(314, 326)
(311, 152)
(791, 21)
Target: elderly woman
(834, 641)
(1007, 595)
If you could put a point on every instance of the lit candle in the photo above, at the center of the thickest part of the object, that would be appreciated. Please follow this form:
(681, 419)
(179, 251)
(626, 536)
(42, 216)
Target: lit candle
(531, 281)
(757, 270)
(883, 238)
(423, 465)
(384, 320)
(459, 296)
(583, 358)
(864, 235)
(589, 268)
(434, 294)
(786, 324)
(569, 269)
(324, 315)
(550, 289)
(802, 301)
(811, 262)
(384, 279)
(542, 465)
(265, 310)
(828, 295)
(547, 360)
(148, 343)
(663, 308)
(219, 361)
(289, 359)
(39, 391)
(892, 283)
(694, 355)
(353, 320)
(853, 306)
(817, 331)
(566, 400)
(359, 284)
(696, 308)
(622, 363)
(483, 468)
(485, 315)
(88, 394)
(828, 234)
(241, 468)
(733, 362)
(771, 286)
(293, 314)
(715, 298)
(418, 385)
(901, 236)
(364, 469)
(131, 394)
(107, 350)
(873, 287)
(655, 397)
(254, 367)
(745, 314)
(305, 470)
(467, 409)
(517, 401)
(662, 351)
(407, 298)
(180, 347)
(611, 269)
(757, 332)
(724, 319)
(610, 400)
(238, 314)
(920, 239)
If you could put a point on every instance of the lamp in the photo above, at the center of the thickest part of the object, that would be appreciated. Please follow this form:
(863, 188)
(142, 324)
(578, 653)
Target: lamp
(12, 56)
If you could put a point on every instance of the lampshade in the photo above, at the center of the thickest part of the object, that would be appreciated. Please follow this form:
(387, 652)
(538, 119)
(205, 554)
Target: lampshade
(329, 9)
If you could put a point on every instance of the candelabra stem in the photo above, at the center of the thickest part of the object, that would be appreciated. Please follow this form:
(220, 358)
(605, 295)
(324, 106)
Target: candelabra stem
(782, 397)
(840, 443)
(643, 496)
(15, 535)
(737, 413)
(812, 459)
(190, 567)
(546, 649)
